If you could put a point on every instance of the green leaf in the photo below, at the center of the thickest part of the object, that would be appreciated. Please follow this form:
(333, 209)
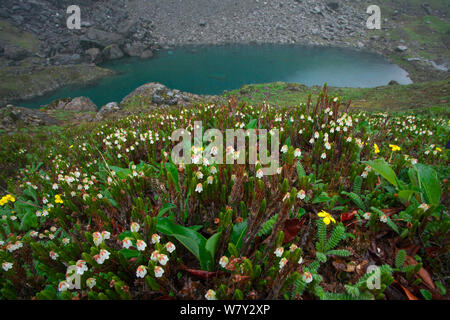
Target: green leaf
(28, 221)
(122, 173)
(165, 208)
(384, 169)
(211, 247)
(405, 196)
(189, 238)
(173, 173)
(429, 184)
(300, 170)
(392, 224)
(128, 253)
(252, 124)
(125, 234)
(426, 294)
(323, 197)
(321, 257)
(237, 233)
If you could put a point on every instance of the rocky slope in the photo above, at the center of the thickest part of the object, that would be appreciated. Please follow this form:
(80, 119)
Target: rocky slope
(34, 32)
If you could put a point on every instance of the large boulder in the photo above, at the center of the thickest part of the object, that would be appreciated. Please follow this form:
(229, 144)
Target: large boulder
(82, 104)
(147, 54)
(112, 52)
(145, 92)
(108, 109)
(134, 49)
(158, 94)
(100, 39)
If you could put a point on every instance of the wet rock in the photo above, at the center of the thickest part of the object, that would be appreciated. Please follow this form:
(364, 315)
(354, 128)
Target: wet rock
(82, 104)
(112, 52)
(134, 49)
(146, 54)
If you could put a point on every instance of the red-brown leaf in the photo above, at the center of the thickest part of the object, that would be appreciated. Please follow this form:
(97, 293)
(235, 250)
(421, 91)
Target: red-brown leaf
(409, 294)
(347, 216)
(291, 229)
(422, 273)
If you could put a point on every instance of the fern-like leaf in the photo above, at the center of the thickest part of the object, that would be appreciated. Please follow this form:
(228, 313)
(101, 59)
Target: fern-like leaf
(336, 236)
(321, 234)
(356, 200)
(357, 185)
(400, 259)
(267, 227)
(339, 253)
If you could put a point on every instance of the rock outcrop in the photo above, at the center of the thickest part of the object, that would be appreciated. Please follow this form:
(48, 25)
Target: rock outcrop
(13, 117)
(81, 104)
(158, 94)
(108, 109)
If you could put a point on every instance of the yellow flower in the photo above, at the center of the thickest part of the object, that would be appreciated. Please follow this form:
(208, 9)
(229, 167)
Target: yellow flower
(395, 147)
(377, 150)
(71, 146)
(327, 218)
(438, 149)
(58, 199)
(4, 200)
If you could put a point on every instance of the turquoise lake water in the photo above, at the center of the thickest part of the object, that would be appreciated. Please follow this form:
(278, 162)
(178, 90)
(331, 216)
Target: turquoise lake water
(213, 69)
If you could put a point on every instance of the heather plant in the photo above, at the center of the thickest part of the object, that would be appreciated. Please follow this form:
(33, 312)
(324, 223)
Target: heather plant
(100, 211)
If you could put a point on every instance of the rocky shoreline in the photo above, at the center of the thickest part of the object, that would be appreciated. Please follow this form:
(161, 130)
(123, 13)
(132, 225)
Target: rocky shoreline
(144, 98)
(117, 28)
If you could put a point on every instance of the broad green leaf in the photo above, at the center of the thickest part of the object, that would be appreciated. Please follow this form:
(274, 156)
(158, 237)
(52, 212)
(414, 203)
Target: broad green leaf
(429, 184)
(384, 169)
(212, 243)
(192, 240)
(128, 253)
(237, 233)
(405, 196)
